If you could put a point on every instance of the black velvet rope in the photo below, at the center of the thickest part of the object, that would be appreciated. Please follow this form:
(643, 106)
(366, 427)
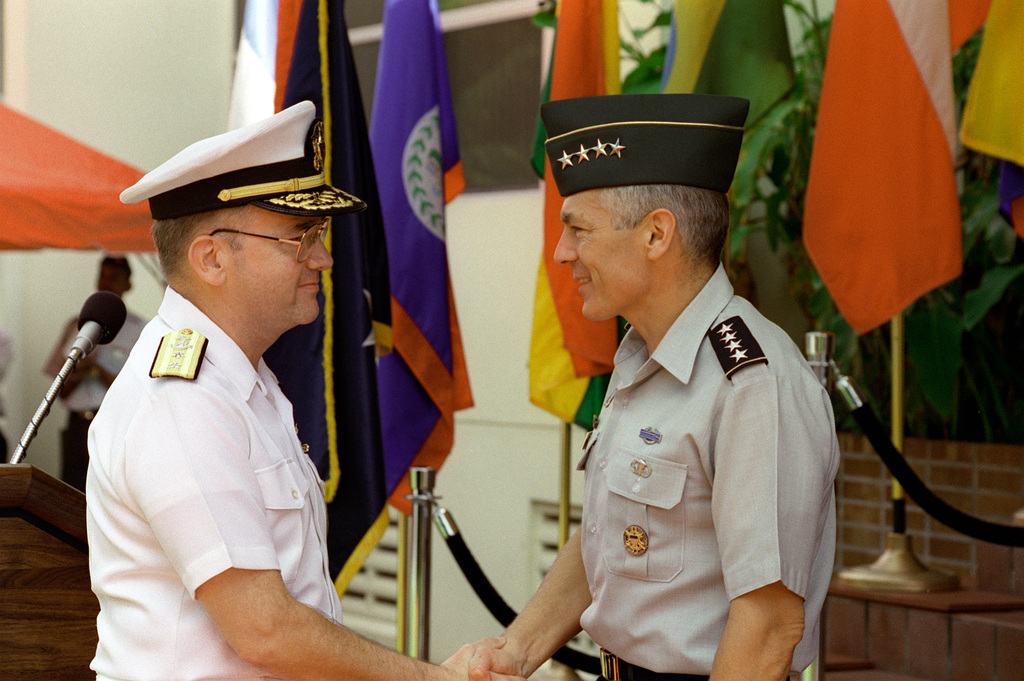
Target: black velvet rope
(501, 611)
(1006, 535)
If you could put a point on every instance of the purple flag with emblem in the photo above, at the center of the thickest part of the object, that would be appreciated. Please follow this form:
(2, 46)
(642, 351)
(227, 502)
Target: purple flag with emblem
(415, 155)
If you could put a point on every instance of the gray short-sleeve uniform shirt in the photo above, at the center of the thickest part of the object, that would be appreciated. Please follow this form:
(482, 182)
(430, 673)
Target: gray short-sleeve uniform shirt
(702, 487)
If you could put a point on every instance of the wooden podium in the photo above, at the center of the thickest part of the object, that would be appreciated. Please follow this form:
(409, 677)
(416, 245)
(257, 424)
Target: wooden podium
(47, 610)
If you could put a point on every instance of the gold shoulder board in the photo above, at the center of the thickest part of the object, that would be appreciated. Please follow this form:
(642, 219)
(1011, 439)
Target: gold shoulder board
(180, 354)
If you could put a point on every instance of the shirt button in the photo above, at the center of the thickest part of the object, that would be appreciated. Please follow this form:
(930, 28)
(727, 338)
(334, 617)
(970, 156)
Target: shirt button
(636, 487)
(593, 528)
(295, 494)
(625, 399)
(603, 464)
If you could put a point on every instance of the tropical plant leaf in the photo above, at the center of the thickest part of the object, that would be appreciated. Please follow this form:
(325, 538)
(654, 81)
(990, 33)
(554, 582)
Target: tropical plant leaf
(933, 340)
(756, 146)
(979, 301)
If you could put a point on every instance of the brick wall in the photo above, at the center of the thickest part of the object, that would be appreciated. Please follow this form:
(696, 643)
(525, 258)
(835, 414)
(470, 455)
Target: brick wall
(984, 480)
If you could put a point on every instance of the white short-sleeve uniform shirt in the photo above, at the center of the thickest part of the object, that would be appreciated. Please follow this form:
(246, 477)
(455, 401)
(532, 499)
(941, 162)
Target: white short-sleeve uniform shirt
(730, 483)
(188, 478)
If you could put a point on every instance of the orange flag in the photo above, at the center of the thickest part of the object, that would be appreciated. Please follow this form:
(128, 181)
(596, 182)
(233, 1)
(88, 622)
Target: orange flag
(882, 217)
(577, 71)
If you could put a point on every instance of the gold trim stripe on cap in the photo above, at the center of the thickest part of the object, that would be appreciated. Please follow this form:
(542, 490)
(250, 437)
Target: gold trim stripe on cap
(670, 123)
(293, 185)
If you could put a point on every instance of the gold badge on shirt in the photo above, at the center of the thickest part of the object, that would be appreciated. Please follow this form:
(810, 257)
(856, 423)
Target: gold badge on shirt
(180, 354)
(635, 540)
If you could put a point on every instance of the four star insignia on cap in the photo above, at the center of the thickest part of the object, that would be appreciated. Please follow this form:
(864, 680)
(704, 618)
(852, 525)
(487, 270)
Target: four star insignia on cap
(735, 346)
(180, 354)
(600, 149)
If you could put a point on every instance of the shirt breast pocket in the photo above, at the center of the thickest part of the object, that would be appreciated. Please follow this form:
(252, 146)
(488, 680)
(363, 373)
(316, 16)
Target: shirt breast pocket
(644, 530)
(284, 498)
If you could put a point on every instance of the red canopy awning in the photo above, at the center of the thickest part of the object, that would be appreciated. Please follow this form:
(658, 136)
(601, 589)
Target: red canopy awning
(59, 193)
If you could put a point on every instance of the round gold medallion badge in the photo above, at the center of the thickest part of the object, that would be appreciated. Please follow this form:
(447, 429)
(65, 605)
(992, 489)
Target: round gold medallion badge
(635, 540)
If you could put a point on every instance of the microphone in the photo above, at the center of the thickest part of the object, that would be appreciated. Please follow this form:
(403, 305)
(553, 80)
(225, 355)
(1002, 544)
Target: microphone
(102, 316)
(100, 320)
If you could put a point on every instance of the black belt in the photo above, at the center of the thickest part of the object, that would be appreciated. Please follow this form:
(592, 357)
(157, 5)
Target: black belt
(614, 669)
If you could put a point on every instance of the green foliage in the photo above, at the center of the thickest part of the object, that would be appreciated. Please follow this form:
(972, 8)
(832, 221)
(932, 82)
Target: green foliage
(639, 47)
(965, 376)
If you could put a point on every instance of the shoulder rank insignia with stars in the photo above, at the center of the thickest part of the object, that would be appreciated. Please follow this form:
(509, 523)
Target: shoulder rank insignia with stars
(180, 354)
(735, 346)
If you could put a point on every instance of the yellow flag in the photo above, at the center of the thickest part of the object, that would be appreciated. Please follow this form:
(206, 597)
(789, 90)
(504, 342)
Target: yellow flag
(991, 122)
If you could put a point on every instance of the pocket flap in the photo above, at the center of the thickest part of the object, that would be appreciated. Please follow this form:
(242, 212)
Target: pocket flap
(647, 479)
(280, 486)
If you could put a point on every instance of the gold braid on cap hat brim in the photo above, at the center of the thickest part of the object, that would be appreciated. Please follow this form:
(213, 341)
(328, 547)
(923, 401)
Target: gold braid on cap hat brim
(295, 184)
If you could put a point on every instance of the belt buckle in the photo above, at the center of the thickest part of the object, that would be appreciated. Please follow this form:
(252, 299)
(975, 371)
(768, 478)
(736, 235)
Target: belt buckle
(609, 665)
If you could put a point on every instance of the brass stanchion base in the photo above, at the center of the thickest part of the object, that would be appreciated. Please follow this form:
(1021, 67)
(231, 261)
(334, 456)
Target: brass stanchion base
(898, 569)
(553, 670)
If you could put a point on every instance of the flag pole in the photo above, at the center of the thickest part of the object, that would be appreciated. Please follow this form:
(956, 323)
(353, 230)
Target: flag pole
(555, 670)
(564, 486)
(898, 569)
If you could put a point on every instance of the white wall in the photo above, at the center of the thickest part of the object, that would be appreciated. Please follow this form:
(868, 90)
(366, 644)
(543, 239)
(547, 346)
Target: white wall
(507, 451)
(135, 79)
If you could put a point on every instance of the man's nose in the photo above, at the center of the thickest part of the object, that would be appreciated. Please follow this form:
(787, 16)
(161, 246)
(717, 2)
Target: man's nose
(565, 250)
(320, 258)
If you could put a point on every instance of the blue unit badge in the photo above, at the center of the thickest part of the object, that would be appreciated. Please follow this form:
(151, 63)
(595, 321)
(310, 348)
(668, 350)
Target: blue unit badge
(650, 436)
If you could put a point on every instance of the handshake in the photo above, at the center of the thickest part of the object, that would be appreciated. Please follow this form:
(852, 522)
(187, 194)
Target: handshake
(486, 660)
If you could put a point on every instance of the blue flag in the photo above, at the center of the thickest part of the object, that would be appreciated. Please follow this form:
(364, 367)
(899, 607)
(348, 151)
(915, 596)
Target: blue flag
(327, 368)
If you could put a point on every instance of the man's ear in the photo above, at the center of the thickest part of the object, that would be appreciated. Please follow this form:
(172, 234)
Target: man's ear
(659, 232)
(207, 256)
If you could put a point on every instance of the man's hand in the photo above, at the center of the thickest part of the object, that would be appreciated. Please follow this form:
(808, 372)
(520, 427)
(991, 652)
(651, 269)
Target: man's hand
(484, 660)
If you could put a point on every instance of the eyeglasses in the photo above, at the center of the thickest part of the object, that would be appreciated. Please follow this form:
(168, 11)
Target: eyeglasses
(306, 242)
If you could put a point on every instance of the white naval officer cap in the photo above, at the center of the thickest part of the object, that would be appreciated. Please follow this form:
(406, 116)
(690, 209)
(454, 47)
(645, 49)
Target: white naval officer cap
(276, 163)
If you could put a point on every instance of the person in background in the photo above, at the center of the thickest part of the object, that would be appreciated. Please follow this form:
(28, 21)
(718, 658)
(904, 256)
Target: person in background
(86, 386)
(206, 519)
(708, 528)
(83, 392)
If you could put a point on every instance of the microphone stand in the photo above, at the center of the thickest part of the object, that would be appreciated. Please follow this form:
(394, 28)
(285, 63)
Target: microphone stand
(70, 363)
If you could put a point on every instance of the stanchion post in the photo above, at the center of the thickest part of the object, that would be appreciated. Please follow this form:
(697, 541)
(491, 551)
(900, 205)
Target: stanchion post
(555, 670)
(415, 640)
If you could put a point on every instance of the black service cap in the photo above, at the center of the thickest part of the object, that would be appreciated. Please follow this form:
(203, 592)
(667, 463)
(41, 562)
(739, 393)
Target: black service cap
(618, 140)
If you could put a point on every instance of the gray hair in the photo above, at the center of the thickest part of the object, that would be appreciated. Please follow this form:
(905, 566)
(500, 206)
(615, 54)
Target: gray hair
(702, 215)
(173, 236)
